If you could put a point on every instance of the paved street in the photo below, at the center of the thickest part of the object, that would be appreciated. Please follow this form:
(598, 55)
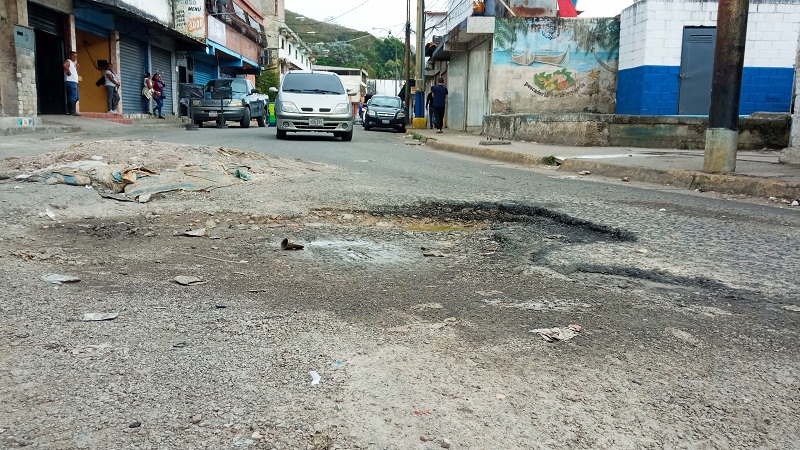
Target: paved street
(423, 274)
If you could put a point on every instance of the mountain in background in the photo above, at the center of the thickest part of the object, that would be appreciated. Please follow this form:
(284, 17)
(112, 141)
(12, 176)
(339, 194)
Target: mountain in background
(335, 45)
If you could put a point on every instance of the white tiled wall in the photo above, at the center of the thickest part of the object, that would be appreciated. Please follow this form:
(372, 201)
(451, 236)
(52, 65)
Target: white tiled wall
(652, 31)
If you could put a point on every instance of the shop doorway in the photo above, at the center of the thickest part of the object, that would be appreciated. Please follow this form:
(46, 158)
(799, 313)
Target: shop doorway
(50, 56)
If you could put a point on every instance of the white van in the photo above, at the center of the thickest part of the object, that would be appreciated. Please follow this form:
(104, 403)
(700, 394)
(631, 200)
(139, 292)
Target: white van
(309, 101)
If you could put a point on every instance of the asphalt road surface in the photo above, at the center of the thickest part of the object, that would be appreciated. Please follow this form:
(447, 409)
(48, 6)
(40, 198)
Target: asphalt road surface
(665, 318)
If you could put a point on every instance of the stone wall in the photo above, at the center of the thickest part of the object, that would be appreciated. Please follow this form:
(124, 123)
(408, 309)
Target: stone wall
(15, 12)
(18, 98)
(770, 131)
(26, 83)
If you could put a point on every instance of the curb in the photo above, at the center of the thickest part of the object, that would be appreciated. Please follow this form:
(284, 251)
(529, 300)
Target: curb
(38, 129)
(733, 184)
(483, 152)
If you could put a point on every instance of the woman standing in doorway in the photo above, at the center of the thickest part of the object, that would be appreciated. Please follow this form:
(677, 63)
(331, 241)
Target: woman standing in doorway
(158, 94)
(147, 93)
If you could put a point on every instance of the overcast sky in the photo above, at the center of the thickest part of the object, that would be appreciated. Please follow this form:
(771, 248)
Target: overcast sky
(376, 15)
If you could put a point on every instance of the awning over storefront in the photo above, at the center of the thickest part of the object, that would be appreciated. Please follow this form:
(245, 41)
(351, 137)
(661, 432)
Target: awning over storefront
(456, 40)
(96, 16)
(229, 58)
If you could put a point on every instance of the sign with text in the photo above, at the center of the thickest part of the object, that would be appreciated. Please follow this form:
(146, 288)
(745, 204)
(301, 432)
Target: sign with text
(216, 31)
(190, 17)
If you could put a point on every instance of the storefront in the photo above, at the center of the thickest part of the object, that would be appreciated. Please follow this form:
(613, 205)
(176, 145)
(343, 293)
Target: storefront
(49, 29)
(132, 66)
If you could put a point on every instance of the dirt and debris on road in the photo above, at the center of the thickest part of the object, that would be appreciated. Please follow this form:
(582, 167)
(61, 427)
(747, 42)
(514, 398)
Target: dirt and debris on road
(408, 351)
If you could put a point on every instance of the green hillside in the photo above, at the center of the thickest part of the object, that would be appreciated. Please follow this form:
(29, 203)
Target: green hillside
(335, 45)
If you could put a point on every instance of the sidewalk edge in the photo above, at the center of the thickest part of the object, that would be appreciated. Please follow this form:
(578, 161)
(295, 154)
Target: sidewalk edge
(483, 152)
(734, 184)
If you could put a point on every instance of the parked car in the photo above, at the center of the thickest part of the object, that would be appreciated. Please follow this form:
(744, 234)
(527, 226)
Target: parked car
(235, 99)
(313, 101)
(384, 111)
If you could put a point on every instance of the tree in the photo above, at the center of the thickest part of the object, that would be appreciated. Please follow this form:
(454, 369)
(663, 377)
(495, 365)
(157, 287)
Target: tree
(390, 58)
(339, 53)
(268, 78)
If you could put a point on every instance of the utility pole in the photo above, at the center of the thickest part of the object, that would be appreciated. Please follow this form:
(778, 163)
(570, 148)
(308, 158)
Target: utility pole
(722, 136)
(419, 97)
(408, 60)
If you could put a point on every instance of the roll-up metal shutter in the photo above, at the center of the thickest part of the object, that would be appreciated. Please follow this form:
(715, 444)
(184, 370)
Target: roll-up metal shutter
(162, 64)
(131, 71)
(45, 19)
(203, 72)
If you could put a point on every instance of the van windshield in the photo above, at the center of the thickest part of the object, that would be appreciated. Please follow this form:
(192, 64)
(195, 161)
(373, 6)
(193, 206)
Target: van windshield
(312, 84)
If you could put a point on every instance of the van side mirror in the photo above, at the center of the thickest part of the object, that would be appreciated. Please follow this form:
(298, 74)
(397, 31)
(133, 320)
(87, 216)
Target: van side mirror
(273, 90)
(254, 91)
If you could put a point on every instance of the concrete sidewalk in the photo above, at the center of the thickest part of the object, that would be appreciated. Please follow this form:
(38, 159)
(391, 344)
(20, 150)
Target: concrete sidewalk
(758, 173)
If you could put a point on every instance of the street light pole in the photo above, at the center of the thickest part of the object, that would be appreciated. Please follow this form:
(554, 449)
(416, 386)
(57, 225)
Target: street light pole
(395, 62)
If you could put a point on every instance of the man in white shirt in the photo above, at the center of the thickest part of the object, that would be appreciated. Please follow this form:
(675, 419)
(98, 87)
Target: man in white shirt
(71, 67)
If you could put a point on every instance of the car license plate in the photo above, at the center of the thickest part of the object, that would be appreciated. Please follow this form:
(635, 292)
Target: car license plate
(316, 122)
(385, 122)
(212, 114)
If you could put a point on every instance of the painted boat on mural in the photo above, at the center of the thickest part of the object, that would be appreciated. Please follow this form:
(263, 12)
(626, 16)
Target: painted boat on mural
(527, 58)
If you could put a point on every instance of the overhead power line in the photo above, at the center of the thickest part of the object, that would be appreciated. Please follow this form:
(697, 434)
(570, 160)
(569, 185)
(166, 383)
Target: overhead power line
(351, 10)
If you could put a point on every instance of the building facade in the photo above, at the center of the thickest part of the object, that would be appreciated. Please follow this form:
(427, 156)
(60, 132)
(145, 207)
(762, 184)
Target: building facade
(171, 37)
(235, 42)
(286, 50)
(522, 57)
(667, 55)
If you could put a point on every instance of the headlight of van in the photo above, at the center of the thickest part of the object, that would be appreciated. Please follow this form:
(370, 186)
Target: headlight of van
(371, 113)
(289, 107)
(235, 103)
(342, 108)
(401, 115)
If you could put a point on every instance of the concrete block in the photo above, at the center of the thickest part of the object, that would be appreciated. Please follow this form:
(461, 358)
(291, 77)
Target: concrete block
(419, 123)
(790, 155)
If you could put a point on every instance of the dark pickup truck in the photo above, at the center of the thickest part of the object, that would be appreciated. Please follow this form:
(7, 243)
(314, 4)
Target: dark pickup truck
(235, 99)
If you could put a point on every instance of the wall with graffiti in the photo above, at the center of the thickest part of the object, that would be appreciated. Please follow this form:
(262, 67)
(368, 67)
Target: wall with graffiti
(547, 65)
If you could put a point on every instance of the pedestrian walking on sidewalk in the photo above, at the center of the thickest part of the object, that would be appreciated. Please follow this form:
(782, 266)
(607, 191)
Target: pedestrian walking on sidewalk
(112, 88)
(158, 94)
(71, 67)
(429, 107)
(439, 103)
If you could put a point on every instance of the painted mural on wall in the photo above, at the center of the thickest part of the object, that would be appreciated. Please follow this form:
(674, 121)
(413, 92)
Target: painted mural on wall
(544, 65)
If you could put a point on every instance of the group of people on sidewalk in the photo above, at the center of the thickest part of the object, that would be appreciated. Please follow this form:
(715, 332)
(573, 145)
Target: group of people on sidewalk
(153, 88)
(436, 103)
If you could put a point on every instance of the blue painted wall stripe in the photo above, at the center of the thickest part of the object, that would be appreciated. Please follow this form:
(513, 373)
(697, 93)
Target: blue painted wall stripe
(653, 90)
